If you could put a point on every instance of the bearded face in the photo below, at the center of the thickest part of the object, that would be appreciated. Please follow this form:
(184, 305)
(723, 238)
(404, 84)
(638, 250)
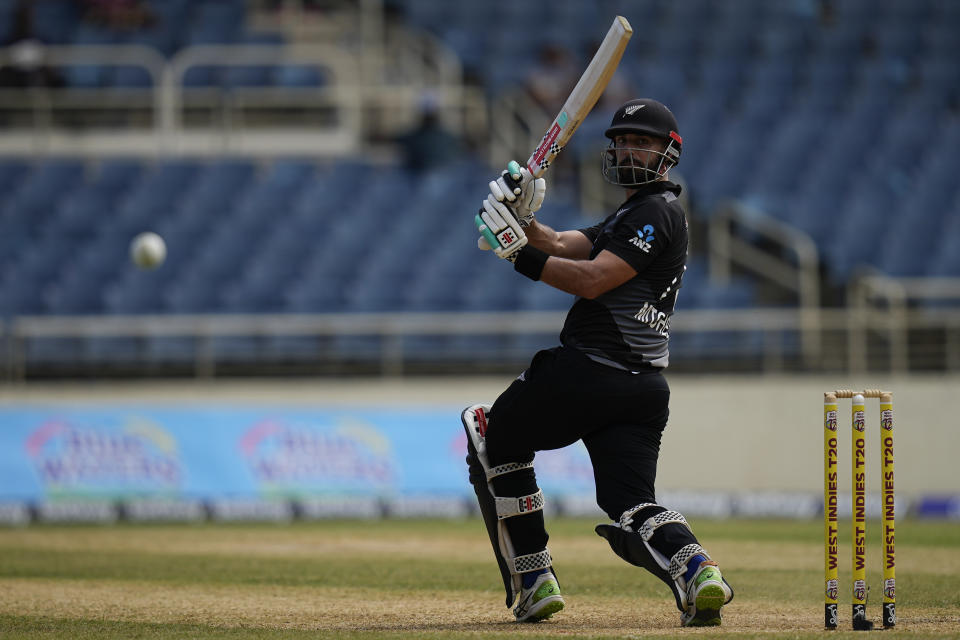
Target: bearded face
(632, 160)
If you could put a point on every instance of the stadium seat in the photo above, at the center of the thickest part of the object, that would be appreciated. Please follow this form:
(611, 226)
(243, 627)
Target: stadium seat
(291, 75)
(247, 76)
(54, 20)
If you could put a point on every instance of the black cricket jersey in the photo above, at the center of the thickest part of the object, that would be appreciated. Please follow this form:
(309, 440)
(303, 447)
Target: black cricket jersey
(629, 327)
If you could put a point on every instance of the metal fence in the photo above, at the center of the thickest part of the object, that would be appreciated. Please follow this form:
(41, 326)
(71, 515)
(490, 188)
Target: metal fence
(767, 340)
(335, 117)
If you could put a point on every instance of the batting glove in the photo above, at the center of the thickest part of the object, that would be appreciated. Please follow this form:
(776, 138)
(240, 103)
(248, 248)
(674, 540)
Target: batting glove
(500, 229)
(518, 189)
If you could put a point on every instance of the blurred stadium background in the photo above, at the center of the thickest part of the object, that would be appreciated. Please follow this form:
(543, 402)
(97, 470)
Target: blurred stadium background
(317, 225)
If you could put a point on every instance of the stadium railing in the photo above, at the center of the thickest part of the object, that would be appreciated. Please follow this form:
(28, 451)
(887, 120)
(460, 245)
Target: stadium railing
(330, 118)
(844, 336)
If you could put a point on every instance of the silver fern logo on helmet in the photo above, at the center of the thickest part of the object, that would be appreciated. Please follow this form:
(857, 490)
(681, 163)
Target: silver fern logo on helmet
(632, 109)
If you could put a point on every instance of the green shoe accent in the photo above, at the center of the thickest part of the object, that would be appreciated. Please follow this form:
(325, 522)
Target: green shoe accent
(548, 588)
(541, 604)
(709, 573)
(548, 610)
(710, 598)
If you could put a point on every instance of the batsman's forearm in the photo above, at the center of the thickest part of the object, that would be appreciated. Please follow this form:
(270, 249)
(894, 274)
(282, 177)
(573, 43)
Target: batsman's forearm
(566, 244)
(584, 278)
(579, 277)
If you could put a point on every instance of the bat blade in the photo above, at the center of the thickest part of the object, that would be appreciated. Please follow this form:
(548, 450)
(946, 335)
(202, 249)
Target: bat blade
(583, 97)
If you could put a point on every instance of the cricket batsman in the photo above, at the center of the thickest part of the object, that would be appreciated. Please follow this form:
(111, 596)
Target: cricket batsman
(603, 384)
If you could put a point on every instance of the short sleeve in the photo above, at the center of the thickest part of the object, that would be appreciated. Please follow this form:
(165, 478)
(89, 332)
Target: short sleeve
(640, 236)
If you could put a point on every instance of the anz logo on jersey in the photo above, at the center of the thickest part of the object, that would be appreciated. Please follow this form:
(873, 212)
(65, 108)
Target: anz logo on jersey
(643, 238)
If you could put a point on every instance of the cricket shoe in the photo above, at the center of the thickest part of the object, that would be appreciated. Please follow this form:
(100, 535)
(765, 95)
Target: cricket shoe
(707, 592)
(540, 601)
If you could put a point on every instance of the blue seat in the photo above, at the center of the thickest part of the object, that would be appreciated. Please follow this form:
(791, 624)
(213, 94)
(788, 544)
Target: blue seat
(262, 37)
(194, 295)
(913, 237)
(939, 73)
(86, 33)
(137, 292)
(788, 42)
(666, 83)
(21, 297)
(945, 12)
(898, 39)
(316, 294)
(170, 178)
(12, 173)
(127, 76)
(84, 76)
(830, 75)
(112, 350)
(471, 45)
(291, 75)
(34, 197)
(775, 76)
(247, 76)
(7, 21)
(218, 14)
(78, 215)
(945, 261)
(940, 41)
(429, 15)
(74, 294)
(159, 36)
(53, 20)
(913, 14)
(727, 180)
(865, 218)
(202, 76)
(289, 173)
(735, 39)
(855, 11)
(117, 175)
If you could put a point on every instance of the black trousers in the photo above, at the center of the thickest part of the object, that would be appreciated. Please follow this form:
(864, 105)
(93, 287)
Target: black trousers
(564, 396)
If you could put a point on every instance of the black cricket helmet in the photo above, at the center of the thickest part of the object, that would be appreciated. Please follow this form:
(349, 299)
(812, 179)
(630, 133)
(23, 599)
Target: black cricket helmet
(648, 117)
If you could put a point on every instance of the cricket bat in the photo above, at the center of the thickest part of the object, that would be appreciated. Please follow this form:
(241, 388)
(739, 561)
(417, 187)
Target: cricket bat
(583, 97)
(578, 104)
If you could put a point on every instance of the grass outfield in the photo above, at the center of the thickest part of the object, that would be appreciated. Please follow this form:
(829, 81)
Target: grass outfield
(433, 579)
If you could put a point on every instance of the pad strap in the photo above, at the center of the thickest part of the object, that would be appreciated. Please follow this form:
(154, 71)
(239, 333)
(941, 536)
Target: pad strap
(509, 507)
(678, 563)
(533, 562)
(627, 518)
(510, 467)
(664, 517)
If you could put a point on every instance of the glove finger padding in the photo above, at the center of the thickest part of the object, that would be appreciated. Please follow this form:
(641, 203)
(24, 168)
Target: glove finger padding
(534, 194)
(509, 186)
(502, 191)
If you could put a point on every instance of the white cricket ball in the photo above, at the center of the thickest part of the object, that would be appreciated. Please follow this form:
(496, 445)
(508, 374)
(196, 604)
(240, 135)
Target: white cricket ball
(148, 250)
